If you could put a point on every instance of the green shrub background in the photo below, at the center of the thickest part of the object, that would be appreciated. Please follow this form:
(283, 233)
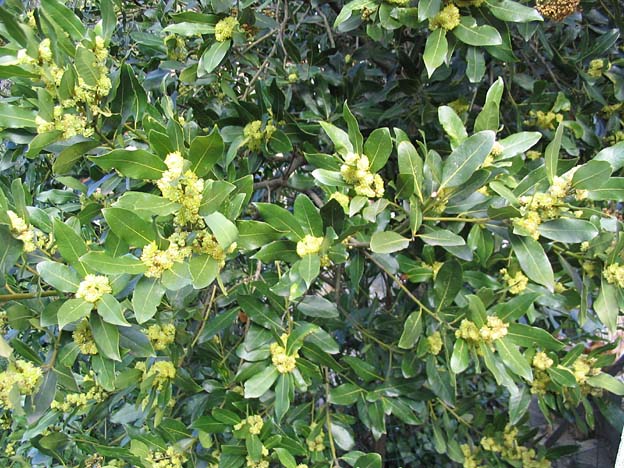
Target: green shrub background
(307, 234)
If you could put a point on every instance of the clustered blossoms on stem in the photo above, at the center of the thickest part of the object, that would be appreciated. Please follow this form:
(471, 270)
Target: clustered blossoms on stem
(509, 448)
(309, 245)
(23, 231)
(342, 199)
(182, 187)
(254, 134)
(93, 287)
(434, 343)
(544, 120)
(170, 458)
(254, 424)
(263, 463)
(163, 372)
(161, 336)
(83, 337)
(516, 283)
(21, 374)
(447, 18)
(614, 274)
(78, 401)
(557, 10)
(283, 362)
(493, 330)
(356, 171)
(70, 114)
(225, 28)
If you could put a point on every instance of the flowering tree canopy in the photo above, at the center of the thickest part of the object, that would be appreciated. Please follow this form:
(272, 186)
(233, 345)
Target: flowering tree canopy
(307, 234)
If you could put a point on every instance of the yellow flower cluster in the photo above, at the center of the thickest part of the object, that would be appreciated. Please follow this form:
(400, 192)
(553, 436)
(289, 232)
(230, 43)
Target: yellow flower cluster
(263, 463)
(184, 188)
(516, 283)
(342, 199)
(254, 422)
(400, 3)
(69, 115)
(512, 451)
(224, 29)
(284, 362)
(356, 171)
(83, 337)
(557, 10)
(493, 330)
(158, 261)
(541, 361)
(596, 67)
(73, 401)
(254, 134)
(447, 18)
(533, 155)
(434, 343)
(317, 444)
(20, 374)
(293, 78)
(539, 386)
(161, 336)
(610, 109)
(206, 243)
(93, 287)
(170, 458)
(495, 152)
(23, 231)
(470, 456)
(163, 372)
(4, 322)
(309, 245)
(544, 120)
(616, 137)
(614, 274)
(583, 368)
(459, 105)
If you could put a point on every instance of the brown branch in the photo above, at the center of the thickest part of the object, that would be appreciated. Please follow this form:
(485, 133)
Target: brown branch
(19, 296)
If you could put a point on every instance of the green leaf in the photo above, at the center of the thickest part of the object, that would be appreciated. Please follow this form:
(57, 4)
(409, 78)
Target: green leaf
(388, 242)
(608, 382)
(111, 311)
(513, 359)
(442, 237)
(64, 18)
(551, 154)
(283, 390)
(224, 230)
(475, 64)
(212, 57)
(86, 66)
(345, 395)
(260, 383)
(562, 376)
(339, 137)
(128, 226)
(71, 246)
(215, 193)
(452, 124)
(203, 269)
(377, 148)
(130, 98)
(513, 12)
(281, 220)
(309, 267)
(611, 190)
(146, 298)
(285, 457)
(106, 337)
(469, 33)
(59, 276)
(448, 283)
(370, 460)
(317, 306)
(66, 160)
(355, 136)
(436, 49)
(188, 29)
(16, 117)
(137, 164)
(104, 263)
(569, 230)
(591, 175)
(205, 152)
(12, 29)
(466, 159)
(146, 205)
(72, 310)
(460, 359)
(606, 305)
(518, 143)
(533, 261)
(412, 330)
(308, 215)
(410, 164)
(254, 234)
(529, 337)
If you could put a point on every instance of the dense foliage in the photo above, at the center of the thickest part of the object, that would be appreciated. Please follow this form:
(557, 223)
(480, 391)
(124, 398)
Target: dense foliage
(307, 234)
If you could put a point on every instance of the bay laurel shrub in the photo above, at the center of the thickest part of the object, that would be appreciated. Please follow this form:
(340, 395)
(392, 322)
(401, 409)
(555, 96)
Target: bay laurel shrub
(308, 234)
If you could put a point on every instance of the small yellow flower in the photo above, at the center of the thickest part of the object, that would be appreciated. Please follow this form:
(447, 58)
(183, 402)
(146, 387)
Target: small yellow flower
(541, 361)
(614, 274)
(309, 245)
(447, 18)
(161, 336)
(163, 372)
(224, 29)
(468, 331)
(83, 337)
(516, 283)
(23, 231)
(93, 287)
(284, 362)
(434, 343)
(342, 199)
(20, 374)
